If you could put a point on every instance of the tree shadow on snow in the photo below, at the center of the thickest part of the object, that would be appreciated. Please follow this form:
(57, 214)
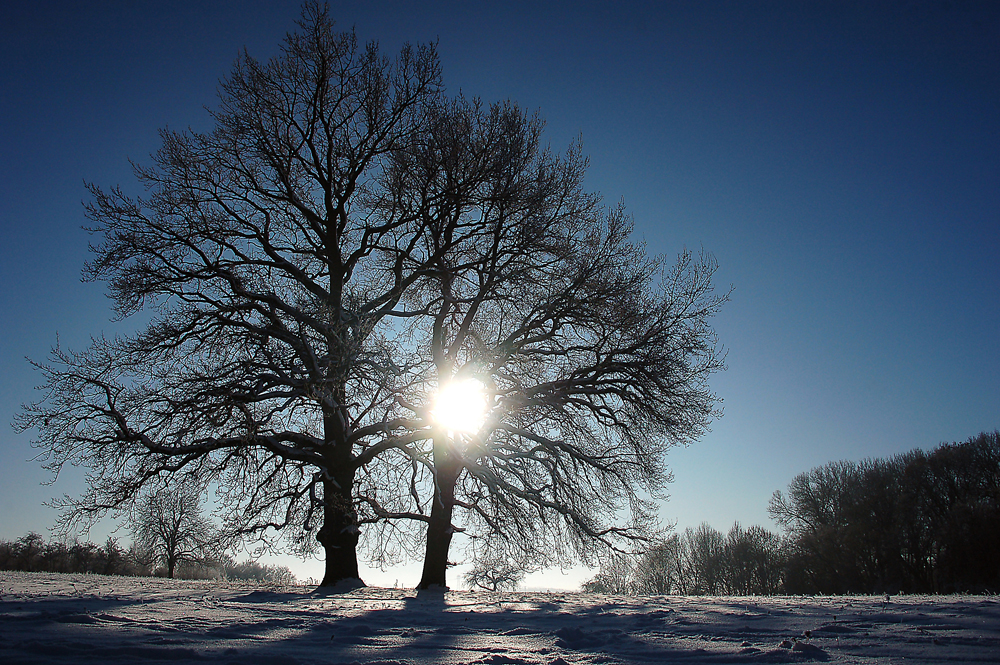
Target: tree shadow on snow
(368, 626)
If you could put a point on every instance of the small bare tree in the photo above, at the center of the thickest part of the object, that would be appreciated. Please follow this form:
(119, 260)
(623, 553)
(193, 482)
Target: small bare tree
(661, 569)
(495, 572)
(169, 528)
(616, 576)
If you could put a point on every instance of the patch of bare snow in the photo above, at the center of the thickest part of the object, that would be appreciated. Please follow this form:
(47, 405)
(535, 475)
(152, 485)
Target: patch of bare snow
(86, 619)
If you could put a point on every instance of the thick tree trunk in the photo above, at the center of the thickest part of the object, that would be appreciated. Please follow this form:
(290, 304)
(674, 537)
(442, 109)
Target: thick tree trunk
(340, 532)
(339, 535)
(448, 466)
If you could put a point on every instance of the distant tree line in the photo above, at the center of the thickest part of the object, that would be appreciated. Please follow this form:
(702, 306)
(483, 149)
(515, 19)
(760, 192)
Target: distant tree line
(33, 553)
(700, 561)
(917, 522)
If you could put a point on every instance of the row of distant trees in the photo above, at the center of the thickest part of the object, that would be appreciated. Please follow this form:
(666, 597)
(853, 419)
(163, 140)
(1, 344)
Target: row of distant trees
(33, 553)
(171, 537)
(918, 522)
(700, 561)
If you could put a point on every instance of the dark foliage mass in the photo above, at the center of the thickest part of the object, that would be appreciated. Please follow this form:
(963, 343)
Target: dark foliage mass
(917, 522)
(32, 553)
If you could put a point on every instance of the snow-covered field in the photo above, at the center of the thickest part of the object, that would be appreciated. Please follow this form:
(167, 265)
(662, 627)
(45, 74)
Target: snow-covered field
(49, 618)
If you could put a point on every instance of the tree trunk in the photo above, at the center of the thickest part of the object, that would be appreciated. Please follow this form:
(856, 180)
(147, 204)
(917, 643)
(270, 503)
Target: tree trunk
(340, 533)
(448, 466)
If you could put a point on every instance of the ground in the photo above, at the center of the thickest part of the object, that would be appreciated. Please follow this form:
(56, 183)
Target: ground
(52, 618)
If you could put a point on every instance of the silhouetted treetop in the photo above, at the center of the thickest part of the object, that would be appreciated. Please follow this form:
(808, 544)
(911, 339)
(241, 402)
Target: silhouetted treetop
(345, 241)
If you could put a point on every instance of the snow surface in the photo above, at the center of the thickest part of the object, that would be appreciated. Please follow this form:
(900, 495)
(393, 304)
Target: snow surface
(52, 618)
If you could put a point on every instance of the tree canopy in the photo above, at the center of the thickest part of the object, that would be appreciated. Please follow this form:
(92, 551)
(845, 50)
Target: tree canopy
(347, 240)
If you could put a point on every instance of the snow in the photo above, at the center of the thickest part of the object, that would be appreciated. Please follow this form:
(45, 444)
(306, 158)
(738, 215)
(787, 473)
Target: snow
(52, 618)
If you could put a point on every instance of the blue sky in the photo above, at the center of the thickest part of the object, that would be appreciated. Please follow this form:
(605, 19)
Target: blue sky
(840, 160)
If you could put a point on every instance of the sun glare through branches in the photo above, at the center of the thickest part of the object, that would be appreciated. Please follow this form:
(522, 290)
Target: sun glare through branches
(460, 406)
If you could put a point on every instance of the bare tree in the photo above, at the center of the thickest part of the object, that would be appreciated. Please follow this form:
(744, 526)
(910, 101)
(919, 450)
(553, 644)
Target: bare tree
(594, 357)
(753, 562)
(495, 572)
(616, 576)
(169, 527)
(273, 278)
(705, 556)
(662, 569)
(343, 243)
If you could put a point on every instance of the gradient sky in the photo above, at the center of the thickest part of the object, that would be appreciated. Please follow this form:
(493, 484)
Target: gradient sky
(840, 160)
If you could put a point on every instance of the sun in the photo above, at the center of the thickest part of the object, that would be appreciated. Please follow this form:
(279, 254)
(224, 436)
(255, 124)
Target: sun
(460, 406)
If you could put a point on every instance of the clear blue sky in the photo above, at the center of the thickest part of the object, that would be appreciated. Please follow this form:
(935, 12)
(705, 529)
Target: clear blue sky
(841, 160)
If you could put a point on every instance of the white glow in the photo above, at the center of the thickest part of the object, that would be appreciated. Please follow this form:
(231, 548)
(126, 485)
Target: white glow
(460, 406)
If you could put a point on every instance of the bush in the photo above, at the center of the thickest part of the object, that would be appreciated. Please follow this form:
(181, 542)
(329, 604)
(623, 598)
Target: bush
(253, 571)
